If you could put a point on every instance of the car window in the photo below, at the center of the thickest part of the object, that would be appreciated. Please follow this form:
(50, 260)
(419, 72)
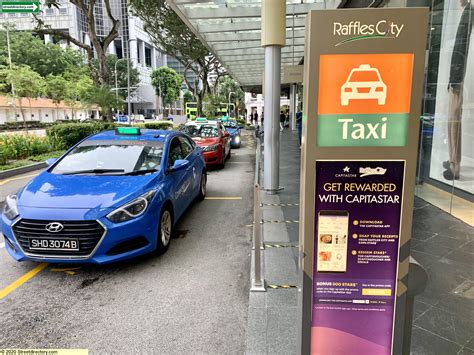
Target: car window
(208, 131)
(175, 152)
(230, 124)
(186, 147)
(127, 156)
(364, 75)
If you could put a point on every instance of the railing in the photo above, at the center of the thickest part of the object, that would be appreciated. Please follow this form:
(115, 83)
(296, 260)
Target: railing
(258, 282)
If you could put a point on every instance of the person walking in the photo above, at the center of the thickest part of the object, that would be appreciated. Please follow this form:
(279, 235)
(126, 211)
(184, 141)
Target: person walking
(299, 124)
(282, 120)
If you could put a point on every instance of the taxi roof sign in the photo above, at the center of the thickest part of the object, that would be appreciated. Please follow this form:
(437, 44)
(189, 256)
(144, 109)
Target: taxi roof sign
(127, 131)
(201, 119)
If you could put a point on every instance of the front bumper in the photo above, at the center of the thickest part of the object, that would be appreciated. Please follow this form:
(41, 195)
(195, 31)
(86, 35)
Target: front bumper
(108, 249)
(213, 157)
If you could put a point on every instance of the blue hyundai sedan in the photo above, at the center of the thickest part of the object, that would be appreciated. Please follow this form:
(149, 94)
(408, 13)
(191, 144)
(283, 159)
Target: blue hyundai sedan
(234, 130)
(113, 196)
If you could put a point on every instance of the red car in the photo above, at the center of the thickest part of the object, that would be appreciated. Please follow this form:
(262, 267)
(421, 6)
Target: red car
(213, 138)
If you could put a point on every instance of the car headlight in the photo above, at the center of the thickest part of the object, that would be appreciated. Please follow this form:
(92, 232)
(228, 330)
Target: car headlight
(132, 209)
(237, 139)
(10, 210)
(211, 148)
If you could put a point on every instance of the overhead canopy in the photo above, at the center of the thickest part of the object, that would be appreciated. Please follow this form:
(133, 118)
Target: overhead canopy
(231, 30)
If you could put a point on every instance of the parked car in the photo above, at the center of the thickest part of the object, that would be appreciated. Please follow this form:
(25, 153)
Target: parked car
(212, 137)
(113, 196)
(234, 130)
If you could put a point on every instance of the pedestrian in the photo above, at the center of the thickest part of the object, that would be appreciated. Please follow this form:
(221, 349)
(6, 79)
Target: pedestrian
(299, 124)
(282, 120)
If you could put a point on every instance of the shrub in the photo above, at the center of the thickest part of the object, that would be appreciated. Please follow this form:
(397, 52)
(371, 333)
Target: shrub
(22, 146)
(241, 121)
(159, 125)
(64, 136)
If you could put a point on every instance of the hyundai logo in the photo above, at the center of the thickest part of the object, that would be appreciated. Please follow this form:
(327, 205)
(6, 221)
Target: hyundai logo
(54, 227)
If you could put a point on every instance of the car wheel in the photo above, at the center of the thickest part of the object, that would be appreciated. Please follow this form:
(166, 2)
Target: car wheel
(165, 231)
(202, 187)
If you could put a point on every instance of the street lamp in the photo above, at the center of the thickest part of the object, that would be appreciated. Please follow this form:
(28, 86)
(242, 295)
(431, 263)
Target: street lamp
(129, 104)
(230, 93)
(115, 71)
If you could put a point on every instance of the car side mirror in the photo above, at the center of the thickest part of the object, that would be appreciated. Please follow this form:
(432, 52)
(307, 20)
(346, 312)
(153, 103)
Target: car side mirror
(179, 164)
(51, 161)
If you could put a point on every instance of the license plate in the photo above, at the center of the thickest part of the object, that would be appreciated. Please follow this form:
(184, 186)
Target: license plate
(54, 244)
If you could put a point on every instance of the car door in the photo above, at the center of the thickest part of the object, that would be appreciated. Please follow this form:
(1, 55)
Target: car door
(177, 177)
(226, 140)
(192, 175)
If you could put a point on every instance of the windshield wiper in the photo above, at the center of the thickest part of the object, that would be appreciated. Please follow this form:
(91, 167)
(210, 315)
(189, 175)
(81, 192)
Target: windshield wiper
(94, 171)
(140, 172)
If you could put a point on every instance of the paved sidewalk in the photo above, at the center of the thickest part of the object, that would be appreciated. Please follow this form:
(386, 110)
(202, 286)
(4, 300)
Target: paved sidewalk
(443, 315)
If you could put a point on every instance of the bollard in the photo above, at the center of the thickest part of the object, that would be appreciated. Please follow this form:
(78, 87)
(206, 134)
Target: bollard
(258, 282)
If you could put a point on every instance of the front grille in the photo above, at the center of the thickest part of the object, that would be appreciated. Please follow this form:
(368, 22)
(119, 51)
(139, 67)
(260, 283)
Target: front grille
(88, 233)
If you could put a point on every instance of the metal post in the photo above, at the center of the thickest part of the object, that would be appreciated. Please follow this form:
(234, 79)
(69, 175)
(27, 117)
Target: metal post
(129, 104)
(258, 282)
(10, 64)
(228, 107)
(293, 107)
(272, 119)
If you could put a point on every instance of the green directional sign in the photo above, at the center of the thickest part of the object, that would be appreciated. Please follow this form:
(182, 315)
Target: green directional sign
(20, 6)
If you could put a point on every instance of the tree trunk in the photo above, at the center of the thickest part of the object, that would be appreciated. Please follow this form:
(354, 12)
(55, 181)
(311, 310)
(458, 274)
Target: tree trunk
(22, 113)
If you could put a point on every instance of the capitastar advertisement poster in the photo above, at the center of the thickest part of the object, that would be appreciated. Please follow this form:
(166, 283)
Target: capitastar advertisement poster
(357, 230)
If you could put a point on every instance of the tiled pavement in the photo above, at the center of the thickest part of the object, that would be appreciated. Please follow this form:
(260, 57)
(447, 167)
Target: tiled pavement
(444, 313)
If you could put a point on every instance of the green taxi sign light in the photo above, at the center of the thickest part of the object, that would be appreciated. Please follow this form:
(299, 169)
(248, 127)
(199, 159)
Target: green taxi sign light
(201, 119)
(127, 131)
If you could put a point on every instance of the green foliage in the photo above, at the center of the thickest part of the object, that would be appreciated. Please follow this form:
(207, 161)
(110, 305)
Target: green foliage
(188, 97)
(211, 106)
(228, 85)
(101, 96)
(166, 125)
(167, 84)
(22, 146)
(45, 59)
(64, 136)
(56, 88)
(45, 156)
(28, 83)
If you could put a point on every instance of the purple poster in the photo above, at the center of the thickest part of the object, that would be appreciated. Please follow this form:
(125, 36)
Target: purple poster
(356, 241)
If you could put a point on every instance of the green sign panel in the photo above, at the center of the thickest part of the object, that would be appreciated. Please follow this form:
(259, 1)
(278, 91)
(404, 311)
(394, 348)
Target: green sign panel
(355, 130)
(20, 7)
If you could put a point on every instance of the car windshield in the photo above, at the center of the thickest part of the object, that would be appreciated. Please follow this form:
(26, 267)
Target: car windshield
(203, 131)
(111, 157)
(230, 124)
(364, 75)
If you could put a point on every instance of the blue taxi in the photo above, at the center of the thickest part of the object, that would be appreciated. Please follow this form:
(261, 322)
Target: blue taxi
(113, 196)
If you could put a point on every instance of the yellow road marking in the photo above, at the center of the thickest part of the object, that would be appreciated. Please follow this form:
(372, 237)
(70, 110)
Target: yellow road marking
(3, 182)
(223, 198)
(65, 269)
(13, 286)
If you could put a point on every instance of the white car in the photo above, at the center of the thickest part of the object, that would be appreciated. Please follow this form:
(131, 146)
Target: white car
(364, 83)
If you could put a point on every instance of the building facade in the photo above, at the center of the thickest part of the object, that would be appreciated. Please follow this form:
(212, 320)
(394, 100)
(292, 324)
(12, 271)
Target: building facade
(143, 54)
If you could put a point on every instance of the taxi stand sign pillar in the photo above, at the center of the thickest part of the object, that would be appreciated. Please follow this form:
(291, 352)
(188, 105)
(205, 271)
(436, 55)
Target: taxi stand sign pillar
(363, 80)
(273, 38)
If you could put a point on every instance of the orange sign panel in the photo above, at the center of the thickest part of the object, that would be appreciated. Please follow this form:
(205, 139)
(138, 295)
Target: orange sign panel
(365, 83)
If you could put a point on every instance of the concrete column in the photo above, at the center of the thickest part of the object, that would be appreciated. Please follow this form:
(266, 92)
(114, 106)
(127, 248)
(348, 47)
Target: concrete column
(293, 107)
(273, 38)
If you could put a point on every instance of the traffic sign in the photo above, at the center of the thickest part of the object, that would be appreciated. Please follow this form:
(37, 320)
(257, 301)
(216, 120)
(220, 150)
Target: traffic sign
(20, 7)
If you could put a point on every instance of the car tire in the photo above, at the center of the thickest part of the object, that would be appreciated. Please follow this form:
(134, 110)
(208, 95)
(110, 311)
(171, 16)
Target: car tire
(165, 231)
(202, 187)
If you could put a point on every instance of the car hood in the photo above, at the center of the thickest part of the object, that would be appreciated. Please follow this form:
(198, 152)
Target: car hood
(83, 191)
(233, 131)
(204, 142)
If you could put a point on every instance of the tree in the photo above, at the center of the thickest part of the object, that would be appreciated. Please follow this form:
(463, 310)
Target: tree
(99, 43)
(45, 59)
(188, 97)
(81, 88)
(56, 89)
(122, 75)
(167, 84)
(228, 85)
(171, 34)
(211, 106)
(105, 98)
(28, 84)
